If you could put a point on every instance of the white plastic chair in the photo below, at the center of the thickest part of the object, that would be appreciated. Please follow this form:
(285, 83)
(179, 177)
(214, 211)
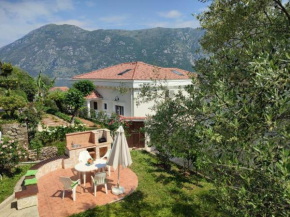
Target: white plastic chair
(69, 185)
(99, 179)
(84, 156)
(107, 155)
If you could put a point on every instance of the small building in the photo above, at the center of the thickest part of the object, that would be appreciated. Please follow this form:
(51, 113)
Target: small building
(62, 89)
(118, 86)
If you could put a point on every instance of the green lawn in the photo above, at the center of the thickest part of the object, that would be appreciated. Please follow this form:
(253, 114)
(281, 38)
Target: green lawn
(8, 183)
(160, 193)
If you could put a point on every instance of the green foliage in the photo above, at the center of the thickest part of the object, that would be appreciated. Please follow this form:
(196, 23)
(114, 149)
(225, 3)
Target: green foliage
(74, 100)
(53, 134)
(58, 97)
(63, 116)
(83, 113)
(43, 83)
(31, 116)
(84, 86)
(236, 112)
(36, 144)
(10, 154)
(9, 181)
(61, 145)
(112, 123)
(6, 69)
(12, 103)
(25, 82)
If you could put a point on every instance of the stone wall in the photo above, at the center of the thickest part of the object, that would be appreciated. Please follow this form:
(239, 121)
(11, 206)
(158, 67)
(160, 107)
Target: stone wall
(45, 153)
(15, 131)
(49, 167)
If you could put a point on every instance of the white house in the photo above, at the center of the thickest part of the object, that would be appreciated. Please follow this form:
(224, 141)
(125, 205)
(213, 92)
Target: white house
(108, 98)
(129, 76)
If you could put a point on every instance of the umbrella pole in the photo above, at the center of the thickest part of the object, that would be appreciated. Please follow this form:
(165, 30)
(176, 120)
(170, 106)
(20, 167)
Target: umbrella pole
(118, 176)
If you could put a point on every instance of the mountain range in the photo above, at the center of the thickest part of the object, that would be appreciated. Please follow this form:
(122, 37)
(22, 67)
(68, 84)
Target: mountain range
(63, 51)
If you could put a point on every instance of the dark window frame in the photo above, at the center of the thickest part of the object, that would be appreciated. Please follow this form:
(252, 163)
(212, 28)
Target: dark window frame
(96, 105)
(119, 110)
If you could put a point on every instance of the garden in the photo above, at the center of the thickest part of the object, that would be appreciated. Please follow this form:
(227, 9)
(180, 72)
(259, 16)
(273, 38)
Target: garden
(231, 127)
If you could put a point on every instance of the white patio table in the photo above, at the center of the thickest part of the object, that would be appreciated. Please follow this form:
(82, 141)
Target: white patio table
(83, 168)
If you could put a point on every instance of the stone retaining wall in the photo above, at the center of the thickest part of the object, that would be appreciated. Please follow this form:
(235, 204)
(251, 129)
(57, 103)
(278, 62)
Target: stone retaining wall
(16, 131)
(49, 167)
(45, 153)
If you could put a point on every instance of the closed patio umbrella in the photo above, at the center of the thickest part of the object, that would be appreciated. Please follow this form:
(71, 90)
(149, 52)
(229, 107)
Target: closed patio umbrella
(120, 155)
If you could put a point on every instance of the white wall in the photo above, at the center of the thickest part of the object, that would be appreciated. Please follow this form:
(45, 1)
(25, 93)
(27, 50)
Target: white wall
(109, 95)
(107, 88)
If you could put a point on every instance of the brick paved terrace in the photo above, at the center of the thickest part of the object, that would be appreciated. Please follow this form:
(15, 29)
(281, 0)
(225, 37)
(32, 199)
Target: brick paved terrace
(50, 203)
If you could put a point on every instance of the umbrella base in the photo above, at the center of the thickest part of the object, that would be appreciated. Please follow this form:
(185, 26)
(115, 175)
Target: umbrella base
(117, 191)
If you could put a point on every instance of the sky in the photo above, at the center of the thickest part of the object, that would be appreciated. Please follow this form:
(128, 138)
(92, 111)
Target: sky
(19, 17)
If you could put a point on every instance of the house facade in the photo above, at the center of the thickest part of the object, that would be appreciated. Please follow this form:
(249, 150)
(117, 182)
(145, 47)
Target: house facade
(117, 87)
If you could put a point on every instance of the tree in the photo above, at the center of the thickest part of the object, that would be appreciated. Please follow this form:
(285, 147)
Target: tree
(74, 99)
(245, 125)
(84, 86)
(25, 83)
(239, 106)
(44, 83)
(58, 97)
(12, 103)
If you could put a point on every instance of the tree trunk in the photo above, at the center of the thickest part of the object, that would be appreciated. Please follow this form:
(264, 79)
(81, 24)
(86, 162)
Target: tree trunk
(73, 117)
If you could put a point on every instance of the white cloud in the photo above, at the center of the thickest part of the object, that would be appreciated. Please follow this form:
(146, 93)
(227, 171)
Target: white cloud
(204, 9)
(20, 17)
(170, 14)
(90, 3)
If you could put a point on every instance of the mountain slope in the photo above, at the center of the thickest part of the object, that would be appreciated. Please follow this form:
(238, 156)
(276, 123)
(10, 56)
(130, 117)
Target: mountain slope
(66, 50)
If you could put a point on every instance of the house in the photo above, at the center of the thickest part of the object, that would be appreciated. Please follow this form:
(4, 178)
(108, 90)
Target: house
(62, 89)
(129, 77)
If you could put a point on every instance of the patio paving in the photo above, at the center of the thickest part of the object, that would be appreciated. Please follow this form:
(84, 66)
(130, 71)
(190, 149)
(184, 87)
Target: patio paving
(50, 203)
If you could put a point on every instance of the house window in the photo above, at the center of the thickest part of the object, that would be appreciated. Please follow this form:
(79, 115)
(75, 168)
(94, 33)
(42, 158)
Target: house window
(119, 110)
(105, 106)
(96, 105)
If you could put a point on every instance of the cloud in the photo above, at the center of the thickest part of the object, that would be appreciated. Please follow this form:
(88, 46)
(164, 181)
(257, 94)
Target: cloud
(90, 3)
(20, 17)
(170, 14)
(204, 9)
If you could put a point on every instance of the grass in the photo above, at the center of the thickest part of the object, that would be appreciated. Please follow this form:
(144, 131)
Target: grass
(8, 183)
(160, 193)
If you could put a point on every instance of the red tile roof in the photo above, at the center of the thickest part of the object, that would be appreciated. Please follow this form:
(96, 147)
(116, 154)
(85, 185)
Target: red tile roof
(94, 95)
(136, 71)
(59, 88)
(132, 118)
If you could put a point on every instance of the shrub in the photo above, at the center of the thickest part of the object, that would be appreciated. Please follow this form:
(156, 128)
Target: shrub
(53, 134)
(62, 115)
(10, 154)
(60, 146)
(36, 145)
(12, 103)
(31, 116)
(58, 98)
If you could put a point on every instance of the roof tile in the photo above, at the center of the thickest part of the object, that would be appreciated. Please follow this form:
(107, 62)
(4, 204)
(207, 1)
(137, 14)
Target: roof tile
(139, 71)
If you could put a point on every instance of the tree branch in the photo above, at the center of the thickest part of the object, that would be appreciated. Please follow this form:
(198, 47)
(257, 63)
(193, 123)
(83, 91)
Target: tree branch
(279, 3)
